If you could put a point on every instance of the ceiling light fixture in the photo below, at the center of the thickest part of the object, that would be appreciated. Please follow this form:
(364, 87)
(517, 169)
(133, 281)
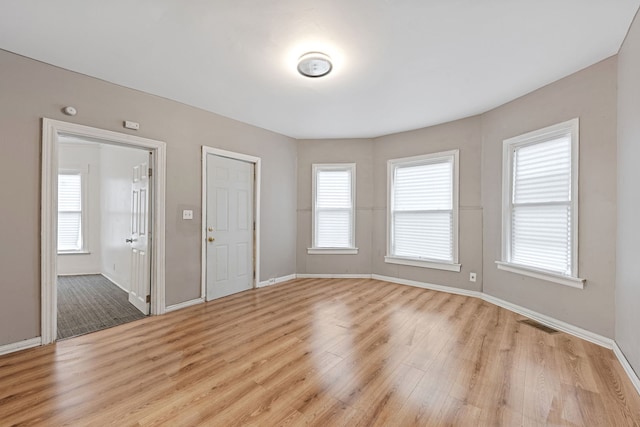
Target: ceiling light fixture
(314, 64)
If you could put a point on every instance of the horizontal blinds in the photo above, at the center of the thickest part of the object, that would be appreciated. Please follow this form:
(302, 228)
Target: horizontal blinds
(423, 187)
(541, 206)
(423, 235)
(543, 172)
(69, 212)
(422, 217)
(333, 208)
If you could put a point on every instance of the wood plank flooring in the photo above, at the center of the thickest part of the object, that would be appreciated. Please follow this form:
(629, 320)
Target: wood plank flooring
(324, 353)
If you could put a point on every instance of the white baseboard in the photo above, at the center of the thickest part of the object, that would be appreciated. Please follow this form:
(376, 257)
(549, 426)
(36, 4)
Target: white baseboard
(431, 286)
(633, 376)
(333, 276)
(20, 345)
(185, 304)
(78, 274)
(276, 280)
(538, 317)
(112, 280)
(552, 322)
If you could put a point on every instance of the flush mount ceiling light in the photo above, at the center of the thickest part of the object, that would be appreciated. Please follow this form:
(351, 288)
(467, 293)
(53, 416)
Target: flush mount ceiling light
(314, 64)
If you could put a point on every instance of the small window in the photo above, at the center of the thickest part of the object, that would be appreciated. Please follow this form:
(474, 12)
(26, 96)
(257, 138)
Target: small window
(423, 211)
(540, 204)
(333, 209)
(70, 213)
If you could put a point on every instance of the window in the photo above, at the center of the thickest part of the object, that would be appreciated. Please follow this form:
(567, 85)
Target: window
(70, 213)
(333, 209)
(423, 211)
(540, 204)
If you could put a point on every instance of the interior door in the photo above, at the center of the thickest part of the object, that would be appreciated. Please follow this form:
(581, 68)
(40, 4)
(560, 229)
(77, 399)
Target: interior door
(229, 225)
(139, 240)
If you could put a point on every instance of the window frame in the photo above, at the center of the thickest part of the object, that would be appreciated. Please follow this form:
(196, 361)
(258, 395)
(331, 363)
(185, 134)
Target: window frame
(314, 249)
(392, 165)
(84, 216)
(510, 145)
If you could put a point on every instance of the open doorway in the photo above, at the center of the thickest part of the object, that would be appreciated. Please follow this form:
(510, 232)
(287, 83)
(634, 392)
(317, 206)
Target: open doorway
(103, 218)
(103, 230)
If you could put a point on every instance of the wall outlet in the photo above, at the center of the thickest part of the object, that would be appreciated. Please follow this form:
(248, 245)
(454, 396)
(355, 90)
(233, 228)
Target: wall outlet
(272, 281)
(472, 277)
(187, 214)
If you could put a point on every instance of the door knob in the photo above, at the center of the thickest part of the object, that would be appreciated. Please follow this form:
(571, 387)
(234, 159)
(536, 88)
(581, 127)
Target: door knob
(211, 239)
(130, 240)
(210, 229)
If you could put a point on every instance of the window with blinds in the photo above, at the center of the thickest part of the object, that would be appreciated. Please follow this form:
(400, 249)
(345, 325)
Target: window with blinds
(423, 209)
(333, 206)
(70, 236)
(540, 203)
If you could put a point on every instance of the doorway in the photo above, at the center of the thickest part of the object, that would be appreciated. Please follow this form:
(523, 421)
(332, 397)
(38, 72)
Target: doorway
(102, 229)
(103, 254)
(230, 212)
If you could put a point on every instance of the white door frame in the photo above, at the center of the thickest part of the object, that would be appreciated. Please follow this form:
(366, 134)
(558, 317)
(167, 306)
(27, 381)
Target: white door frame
(256, 210)
(49, 215)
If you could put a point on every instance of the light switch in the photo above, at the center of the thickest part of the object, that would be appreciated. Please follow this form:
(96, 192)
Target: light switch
(187, 214)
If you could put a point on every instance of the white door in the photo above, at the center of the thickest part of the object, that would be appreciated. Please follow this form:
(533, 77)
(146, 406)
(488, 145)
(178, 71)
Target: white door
(139, 240)
(229, 225)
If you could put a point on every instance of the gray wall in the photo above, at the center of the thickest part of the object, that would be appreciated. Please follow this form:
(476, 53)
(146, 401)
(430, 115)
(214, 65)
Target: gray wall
(590, 95)
(360, 152)
(465, 136)
(32, 90)
(628, 250)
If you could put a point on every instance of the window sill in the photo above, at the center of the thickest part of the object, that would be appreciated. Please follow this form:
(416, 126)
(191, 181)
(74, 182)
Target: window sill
(423, 263)
(332, 251)
(573, 282)
(74, 253)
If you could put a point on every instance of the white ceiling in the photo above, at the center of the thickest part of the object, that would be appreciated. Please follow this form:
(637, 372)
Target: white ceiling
(398, 64)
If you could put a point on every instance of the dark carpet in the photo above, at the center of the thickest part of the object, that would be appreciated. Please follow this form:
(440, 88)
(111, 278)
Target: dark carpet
(90, 303)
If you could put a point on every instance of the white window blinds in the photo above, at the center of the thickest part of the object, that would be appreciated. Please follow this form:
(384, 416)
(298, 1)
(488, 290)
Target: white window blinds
(422, 210)
(333, 206)
(541, 206)
(70, 212)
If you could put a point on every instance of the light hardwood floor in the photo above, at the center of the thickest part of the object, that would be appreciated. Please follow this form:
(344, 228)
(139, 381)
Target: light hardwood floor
(326, 353)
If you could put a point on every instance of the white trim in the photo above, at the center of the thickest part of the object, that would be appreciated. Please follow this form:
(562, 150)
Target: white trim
(635, 379)
(20, 345)
(332, 251)
(87, 273)
(574, 282)
(276, 280)
(112, 280)
(552, 322)
(80, 252)
(541, 318)
(423, 263)
(315, 168)
(392, 164)
(257, 171)
(333, 276)
(51, 129)
(508, 146)
(430, 286)
(185, 304)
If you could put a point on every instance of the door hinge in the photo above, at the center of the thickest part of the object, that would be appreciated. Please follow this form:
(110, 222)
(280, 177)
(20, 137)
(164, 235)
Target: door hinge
(150, 172)
(148, 299)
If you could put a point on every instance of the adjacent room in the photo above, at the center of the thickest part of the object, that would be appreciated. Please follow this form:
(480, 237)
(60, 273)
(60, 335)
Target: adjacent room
(102, 221)
(363, 213)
